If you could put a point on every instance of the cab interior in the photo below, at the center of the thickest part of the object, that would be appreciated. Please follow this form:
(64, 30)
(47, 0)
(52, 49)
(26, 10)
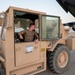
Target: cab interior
(22, 21)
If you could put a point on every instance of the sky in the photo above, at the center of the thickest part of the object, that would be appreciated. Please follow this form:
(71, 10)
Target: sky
(51, 7)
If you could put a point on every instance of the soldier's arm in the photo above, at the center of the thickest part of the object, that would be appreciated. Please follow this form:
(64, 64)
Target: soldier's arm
(36, 35)
(20, 34)
(36, 41)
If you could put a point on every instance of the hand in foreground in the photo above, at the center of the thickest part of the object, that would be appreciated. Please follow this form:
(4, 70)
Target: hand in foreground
(36, 41)
(21, 37)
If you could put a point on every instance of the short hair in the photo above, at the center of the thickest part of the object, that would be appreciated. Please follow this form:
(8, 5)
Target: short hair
(31, 24)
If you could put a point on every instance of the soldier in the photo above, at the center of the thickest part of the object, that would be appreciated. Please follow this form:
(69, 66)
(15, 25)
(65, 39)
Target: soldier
(29, 34)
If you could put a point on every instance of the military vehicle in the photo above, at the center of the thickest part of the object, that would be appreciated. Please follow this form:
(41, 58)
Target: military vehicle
(19, 57)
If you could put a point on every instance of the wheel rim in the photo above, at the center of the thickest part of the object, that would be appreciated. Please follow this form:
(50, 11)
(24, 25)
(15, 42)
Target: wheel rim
(62, 59)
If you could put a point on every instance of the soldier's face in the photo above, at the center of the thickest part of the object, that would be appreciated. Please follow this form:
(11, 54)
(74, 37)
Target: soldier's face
(33, 27)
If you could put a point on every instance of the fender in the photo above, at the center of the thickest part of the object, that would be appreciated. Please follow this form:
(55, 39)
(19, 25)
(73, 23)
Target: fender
(61, 41)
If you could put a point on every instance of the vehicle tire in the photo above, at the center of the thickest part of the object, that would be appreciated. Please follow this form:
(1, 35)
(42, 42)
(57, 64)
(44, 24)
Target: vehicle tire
(58, 60)
(2, 69)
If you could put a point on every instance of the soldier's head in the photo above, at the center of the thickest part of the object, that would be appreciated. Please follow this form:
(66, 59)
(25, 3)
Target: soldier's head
(32, 26)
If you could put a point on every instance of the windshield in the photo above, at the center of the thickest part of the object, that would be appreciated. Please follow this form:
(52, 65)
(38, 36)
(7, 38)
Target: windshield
(50, 27)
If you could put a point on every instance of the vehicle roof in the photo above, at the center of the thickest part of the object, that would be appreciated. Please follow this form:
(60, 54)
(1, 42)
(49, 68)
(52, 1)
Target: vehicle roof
(25, 10)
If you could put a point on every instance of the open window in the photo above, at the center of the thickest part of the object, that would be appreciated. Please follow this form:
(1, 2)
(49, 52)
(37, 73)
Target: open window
(22, 21)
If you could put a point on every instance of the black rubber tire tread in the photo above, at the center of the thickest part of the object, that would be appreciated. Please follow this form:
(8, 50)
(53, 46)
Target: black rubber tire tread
(52, 58)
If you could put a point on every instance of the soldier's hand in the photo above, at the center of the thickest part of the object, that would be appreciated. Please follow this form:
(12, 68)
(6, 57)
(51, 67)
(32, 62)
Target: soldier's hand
(21, 37)
(36, 41)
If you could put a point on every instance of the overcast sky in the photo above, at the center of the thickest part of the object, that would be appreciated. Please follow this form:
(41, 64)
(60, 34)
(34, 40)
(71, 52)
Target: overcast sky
(51, 7)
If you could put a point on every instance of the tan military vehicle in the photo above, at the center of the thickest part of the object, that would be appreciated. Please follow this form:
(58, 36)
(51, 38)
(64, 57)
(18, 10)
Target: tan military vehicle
(19, 57)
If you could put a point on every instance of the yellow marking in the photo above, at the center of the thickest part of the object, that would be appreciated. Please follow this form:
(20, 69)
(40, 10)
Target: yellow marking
(43, 49)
